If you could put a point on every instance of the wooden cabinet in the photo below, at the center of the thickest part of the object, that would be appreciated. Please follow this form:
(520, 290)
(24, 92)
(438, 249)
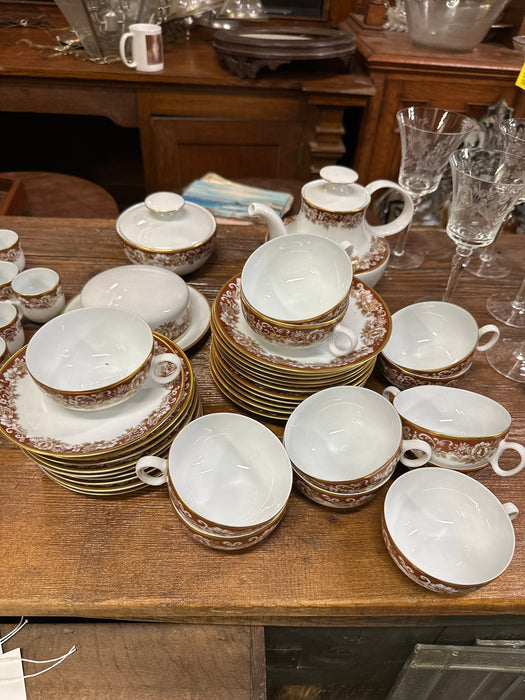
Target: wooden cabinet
(186, 133)
(404, 75)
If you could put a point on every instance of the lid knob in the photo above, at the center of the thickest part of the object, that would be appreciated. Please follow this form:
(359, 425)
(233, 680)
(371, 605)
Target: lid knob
(164, 202)
(338, 175)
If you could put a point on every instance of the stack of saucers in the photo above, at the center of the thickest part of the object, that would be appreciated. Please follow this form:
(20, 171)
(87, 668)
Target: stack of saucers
(94, 452)
(271, 380)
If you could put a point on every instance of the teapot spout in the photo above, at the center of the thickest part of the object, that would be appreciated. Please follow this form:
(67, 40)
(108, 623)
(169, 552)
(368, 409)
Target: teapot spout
(271, 218)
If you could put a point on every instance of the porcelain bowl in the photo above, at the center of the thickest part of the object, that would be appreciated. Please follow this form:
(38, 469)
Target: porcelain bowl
(167, 231)
(446, 531)
(94, 358)
(243, 479)
(159, 296)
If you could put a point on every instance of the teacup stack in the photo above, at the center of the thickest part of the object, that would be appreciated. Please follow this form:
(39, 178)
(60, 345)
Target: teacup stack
(294, 322)
(433, 342)
(239, 494)
(90, 393)
(344, 444)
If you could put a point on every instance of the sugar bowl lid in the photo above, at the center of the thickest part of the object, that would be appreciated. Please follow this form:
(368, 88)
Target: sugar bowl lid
(166, 221)
(336, 190)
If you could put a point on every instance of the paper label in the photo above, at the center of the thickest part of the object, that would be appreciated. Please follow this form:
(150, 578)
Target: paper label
(12, 685)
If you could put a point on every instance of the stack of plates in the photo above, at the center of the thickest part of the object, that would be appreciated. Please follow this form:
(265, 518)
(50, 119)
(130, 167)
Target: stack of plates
(95, 452)
(271, 380)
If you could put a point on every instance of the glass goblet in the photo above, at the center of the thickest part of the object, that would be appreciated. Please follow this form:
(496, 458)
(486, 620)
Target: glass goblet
(507, 357)
(513, 141)
(486, 186)
(428, 136)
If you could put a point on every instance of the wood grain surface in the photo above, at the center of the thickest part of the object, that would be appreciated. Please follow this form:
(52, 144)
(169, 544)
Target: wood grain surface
(63, 554)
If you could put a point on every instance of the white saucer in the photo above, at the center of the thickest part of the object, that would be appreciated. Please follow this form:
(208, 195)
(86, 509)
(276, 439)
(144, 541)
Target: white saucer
(200, 318)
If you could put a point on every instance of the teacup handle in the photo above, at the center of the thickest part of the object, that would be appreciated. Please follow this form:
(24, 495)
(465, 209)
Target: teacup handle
(511, 510)
(342, 341)
(151, 462)
(494, 460)
(169, 358)
(391, 392)
(415, 445)
(400, 222)
(495, 333)
(347, 247)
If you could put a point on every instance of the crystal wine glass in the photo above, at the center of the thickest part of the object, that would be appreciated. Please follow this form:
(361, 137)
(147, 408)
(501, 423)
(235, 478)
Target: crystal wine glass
(486, 186)
(505, 307)
(513, 141)
(428, 136)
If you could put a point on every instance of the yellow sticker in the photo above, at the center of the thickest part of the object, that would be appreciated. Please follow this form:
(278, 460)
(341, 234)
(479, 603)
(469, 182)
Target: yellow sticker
(520, 82)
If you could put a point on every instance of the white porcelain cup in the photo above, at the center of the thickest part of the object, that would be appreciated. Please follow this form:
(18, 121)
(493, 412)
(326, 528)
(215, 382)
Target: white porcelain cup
(10, 248)
(436, 339)
(147, 53)
(346, 439)
(8, 271)
(38, 294)
(465, 430)
(446, 531)
(93, 358)
(227, 472)
(11, 329)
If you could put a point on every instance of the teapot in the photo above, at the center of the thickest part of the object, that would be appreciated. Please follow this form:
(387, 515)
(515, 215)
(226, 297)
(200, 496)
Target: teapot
(335, 206)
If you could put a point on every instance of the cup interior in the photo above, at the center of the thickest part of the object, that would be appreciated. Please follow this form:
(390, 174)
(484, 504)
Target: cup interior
(230, 470)
(431, 335)
(449, 526)
(89, 349)
(452, 412)
(8, 313)
(296, 277)
(35, 280)
(342, 433)
(8, 272)
(8, 238)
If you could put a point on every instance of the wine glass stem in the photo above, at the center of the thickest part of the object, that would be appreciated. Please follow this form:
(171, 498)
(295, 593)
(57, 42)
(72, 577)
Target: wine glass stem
(459, 261)
(518, 303)
(402, 237)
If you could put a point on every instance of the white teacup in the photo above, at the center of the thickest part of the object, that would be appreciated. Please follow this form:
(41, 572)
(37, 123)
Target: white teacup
(446, 531)
(8, 271)
(347, 439)
(465, 430)
(94, 358)
(227, 473)
(159, 296)
(38, 294)
(10, 248)
(11, 329)
(435, 340)
(297, 279)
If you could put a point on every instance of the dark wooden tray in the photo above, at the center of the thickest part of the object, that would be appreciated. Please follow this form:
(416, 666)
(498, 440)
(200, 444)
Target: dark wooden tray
(243, 51)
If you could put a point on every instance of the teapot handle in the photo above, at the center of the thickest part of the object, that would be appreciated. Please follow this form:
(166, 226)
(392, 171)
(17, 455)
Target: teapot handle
(403, 220)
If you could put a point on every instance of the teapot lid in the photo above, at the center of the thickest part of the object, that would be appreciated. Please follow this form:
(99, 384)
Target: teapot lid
(166, 221)
(336, 190)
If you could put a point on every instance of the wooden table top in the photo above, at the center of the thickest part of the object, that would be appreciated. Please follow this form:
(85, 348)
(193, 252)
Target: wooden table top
(64, 554)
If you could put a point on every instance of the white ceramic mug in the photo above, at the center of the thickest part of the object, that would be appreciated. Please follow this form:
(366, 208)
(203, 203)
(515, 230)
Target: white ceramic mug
(146, 47)
(38, 294)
